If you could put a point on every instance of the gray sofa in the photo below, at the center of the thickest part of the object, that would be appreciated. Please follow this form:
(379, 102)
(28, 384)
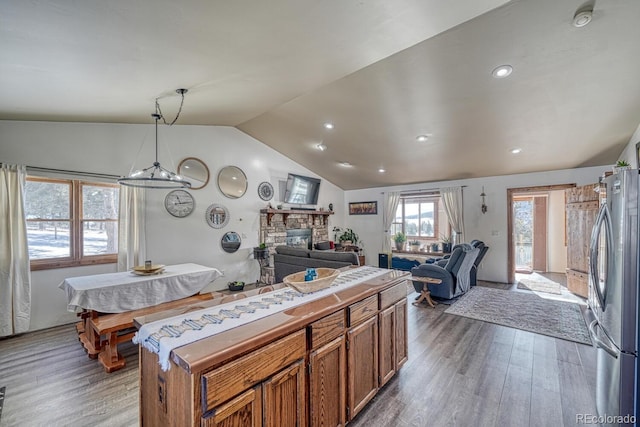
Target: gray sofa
(288, 260)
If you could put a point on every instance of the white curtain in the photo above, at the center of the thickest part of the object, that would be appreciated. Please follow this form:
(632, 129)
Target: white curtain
(131, 228)
(391, 200)
(15, 273)
(452, 199)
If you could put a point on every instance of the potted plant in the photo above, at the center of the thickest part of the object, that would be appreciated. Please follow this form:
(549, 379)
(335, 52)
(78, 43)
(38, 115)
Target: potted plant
(400, 238)
(348, 237)
(621, 165)
(434, 247)
(260, 251)
(415, 245)
(446, 244)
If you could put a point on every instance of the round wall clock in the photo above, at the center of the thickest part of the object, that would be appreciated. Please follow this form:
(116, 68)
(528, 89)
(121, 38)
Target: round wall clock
(265, 190)
(179, 203)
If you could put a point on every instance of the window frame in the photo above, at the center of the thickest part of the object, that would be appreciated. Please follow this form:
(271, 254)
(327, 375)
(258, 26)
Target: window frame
(76, 222)
(420, 198)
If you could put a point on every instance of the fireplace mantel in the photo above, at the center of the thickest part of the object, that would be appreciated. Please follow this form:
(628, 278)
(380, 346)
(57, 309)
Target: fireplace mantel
(286, 212)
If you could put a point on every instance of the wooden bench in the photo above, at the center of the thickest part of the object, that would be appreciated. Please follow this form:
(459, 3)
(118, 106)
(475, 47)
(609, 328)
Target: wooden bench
(103, 332)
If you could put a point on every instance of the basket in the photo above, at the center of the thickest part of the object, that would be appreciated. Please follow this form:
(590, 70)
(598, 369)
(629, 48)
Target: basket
(326, 276)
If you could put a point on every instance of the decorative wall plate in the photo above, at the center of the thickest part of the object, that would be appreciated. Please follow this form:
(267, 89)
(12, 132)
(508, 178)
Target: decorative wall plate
(217, 216)
(265, 191)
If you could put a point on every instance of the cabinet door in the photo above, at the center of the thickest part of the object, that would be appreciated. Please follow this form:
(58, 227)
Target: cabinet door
(284, 398)
(242, 411)
(402, 345)
(362, 365)
(327, 384)
(387, 344)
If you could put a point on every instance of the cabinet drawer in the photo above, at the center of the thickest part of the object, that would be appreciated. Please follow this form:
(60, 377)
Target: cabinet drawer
(392, 295)
(362, 310)
(326, 329)
(223, 383)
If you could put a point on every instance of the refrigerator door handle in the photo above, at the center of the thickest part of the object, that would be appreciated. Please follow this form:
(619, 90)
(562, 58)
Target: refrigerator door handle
(602, 220)
(598, 342)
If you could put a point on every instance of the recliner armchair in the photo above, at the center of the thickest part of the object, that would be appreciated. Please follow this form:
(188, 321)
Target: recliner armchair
(474, 271)
(455, 273)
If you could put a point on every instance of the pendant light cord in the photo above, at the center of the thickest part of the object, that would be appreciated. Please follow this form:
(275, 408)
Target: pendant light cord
(159, 111)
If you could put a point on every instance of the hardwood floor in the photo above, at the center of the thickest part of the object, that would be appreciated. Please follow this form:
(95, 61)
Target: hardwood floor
(461, 372)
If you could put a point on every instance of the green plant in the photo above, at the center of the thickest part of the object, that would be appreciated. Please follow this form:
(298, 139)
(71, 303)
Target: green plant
(414, 243)
(262, 246)
(622, 164)
(445, 239)
(348, 234)
(400, 237)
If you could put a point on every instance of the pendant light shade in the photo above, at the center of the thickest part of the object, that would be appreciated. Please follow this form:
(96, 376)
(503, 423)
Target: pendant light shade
(155, 176)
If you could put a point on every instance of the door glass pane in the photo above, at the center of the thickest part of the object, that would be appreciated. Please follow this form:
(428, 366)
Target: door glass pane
(48, 239)
(523, 233)
(99, 237)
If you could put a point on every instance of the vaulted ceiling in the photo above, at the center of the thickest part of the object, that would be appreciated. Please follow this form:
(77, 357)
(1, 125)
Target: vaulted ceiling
(381, 72)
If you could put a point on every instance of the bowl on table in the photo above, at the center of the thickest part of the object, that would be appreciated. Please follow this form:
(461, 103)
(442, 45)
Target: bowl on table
(325, 277)
(236, 286)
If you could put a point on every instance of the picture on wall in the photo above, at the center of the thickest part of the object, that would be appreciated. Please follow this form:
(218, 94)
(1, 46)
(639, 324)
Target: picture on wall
(363, 208)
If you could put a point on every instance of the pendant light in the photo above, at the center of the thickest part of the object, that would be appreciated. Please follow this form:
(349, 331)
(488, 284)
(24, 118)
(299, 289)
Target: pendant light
(155, 176)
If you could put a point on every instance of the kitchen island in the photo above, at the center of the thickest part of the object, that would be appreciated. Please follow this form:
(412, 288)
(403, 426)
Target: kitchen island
(318, 363)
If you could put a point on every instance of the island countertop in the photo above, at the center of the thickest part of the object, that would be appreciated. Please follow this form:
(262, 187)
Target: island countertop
(215, 350)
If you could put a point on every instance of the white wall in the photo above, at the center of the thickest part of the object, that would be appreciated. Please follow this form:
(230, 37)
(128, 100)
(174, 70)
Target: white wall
(629, 153)
(490, 227)
(112, 149)
(556, 248)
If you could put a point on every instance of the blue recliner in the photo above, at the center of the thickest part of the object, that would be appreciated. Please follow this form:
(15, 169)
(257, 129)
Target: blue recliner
(455, 272)
(474, 271)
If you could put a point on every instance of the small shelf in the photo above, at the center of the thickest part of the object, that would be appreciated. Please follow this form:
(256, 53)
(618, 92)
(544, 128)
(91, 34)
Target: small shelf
(286, 212)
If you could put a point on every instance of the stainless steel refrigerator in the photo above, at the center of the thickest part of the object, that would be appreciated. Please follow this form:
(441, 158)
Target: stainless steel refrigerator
(613, 298)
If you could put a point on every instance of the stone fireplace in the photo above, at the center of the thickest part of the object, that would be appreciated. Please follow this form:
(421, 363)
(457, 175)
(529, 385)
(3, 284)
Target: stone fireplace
(290, 227)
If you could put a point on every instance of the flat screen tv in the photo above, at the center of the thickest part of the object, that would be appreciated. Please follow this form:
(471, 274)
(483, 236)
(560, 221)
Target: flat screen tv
(302, 190)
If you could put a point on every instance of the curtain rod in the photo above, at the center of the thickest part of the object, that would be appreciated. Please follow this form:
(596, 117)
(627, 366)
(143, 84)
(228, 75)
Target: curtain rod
(80, 173)
(425, 190)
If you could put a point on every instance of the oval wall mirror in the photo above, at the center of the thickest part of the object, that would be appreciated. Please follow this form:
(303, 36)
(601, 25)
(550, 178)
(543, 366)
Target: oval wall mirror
(217, 216)
(232, 182)
(195, 171)
(230, 242)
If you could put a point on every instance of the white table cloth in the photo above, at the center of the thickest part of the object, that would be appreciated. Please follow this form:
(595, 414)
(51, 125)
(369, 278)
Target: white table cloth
(125, 291)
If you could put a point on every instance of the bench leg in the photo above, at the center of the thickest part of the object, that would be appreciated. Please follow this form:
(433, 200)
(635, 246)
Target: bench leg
(109, 356)
(89, 339)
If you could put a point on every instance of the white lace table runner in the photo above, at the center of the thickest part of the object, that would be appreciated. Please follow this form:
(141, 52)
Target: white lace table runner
(162, 336)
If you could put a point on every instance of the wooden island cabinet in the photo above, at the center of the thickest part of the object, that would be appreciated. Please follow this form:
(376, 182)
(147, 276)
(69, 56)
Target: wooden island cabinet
(317, 364)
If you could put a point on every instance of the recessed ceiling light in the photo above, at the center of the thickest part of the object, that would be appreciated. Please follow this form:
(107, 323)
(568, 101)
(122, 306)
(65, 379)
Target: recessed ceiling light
(502, 71)
(422, 138)
(346, 164)
(381, 170)
(582, 18)
(516, 150)
(321, 147)
(328, 125)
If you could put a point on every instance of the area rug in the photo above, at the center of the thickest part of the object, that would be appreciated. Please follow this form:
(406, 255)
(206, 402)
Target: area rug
(526, 311)
(547, 286)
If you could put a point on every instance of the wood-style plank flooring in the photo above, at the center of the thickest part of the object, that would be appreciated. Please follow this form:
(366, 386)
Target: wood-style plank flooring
(461, 372)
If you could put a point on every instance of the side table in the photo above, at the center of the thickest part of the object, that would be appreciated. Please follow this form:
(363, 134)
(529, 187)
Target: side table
(425, 294)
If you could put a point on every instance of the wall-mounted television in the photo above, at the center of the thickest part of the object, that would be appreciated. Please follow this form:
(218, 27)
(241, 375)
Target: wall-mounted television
(302, 190)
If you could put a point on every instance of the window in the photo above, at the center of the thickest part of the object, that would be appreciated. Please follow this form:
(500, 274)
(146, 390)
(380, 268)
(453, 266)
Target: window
(71, 222)
(420, 218)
